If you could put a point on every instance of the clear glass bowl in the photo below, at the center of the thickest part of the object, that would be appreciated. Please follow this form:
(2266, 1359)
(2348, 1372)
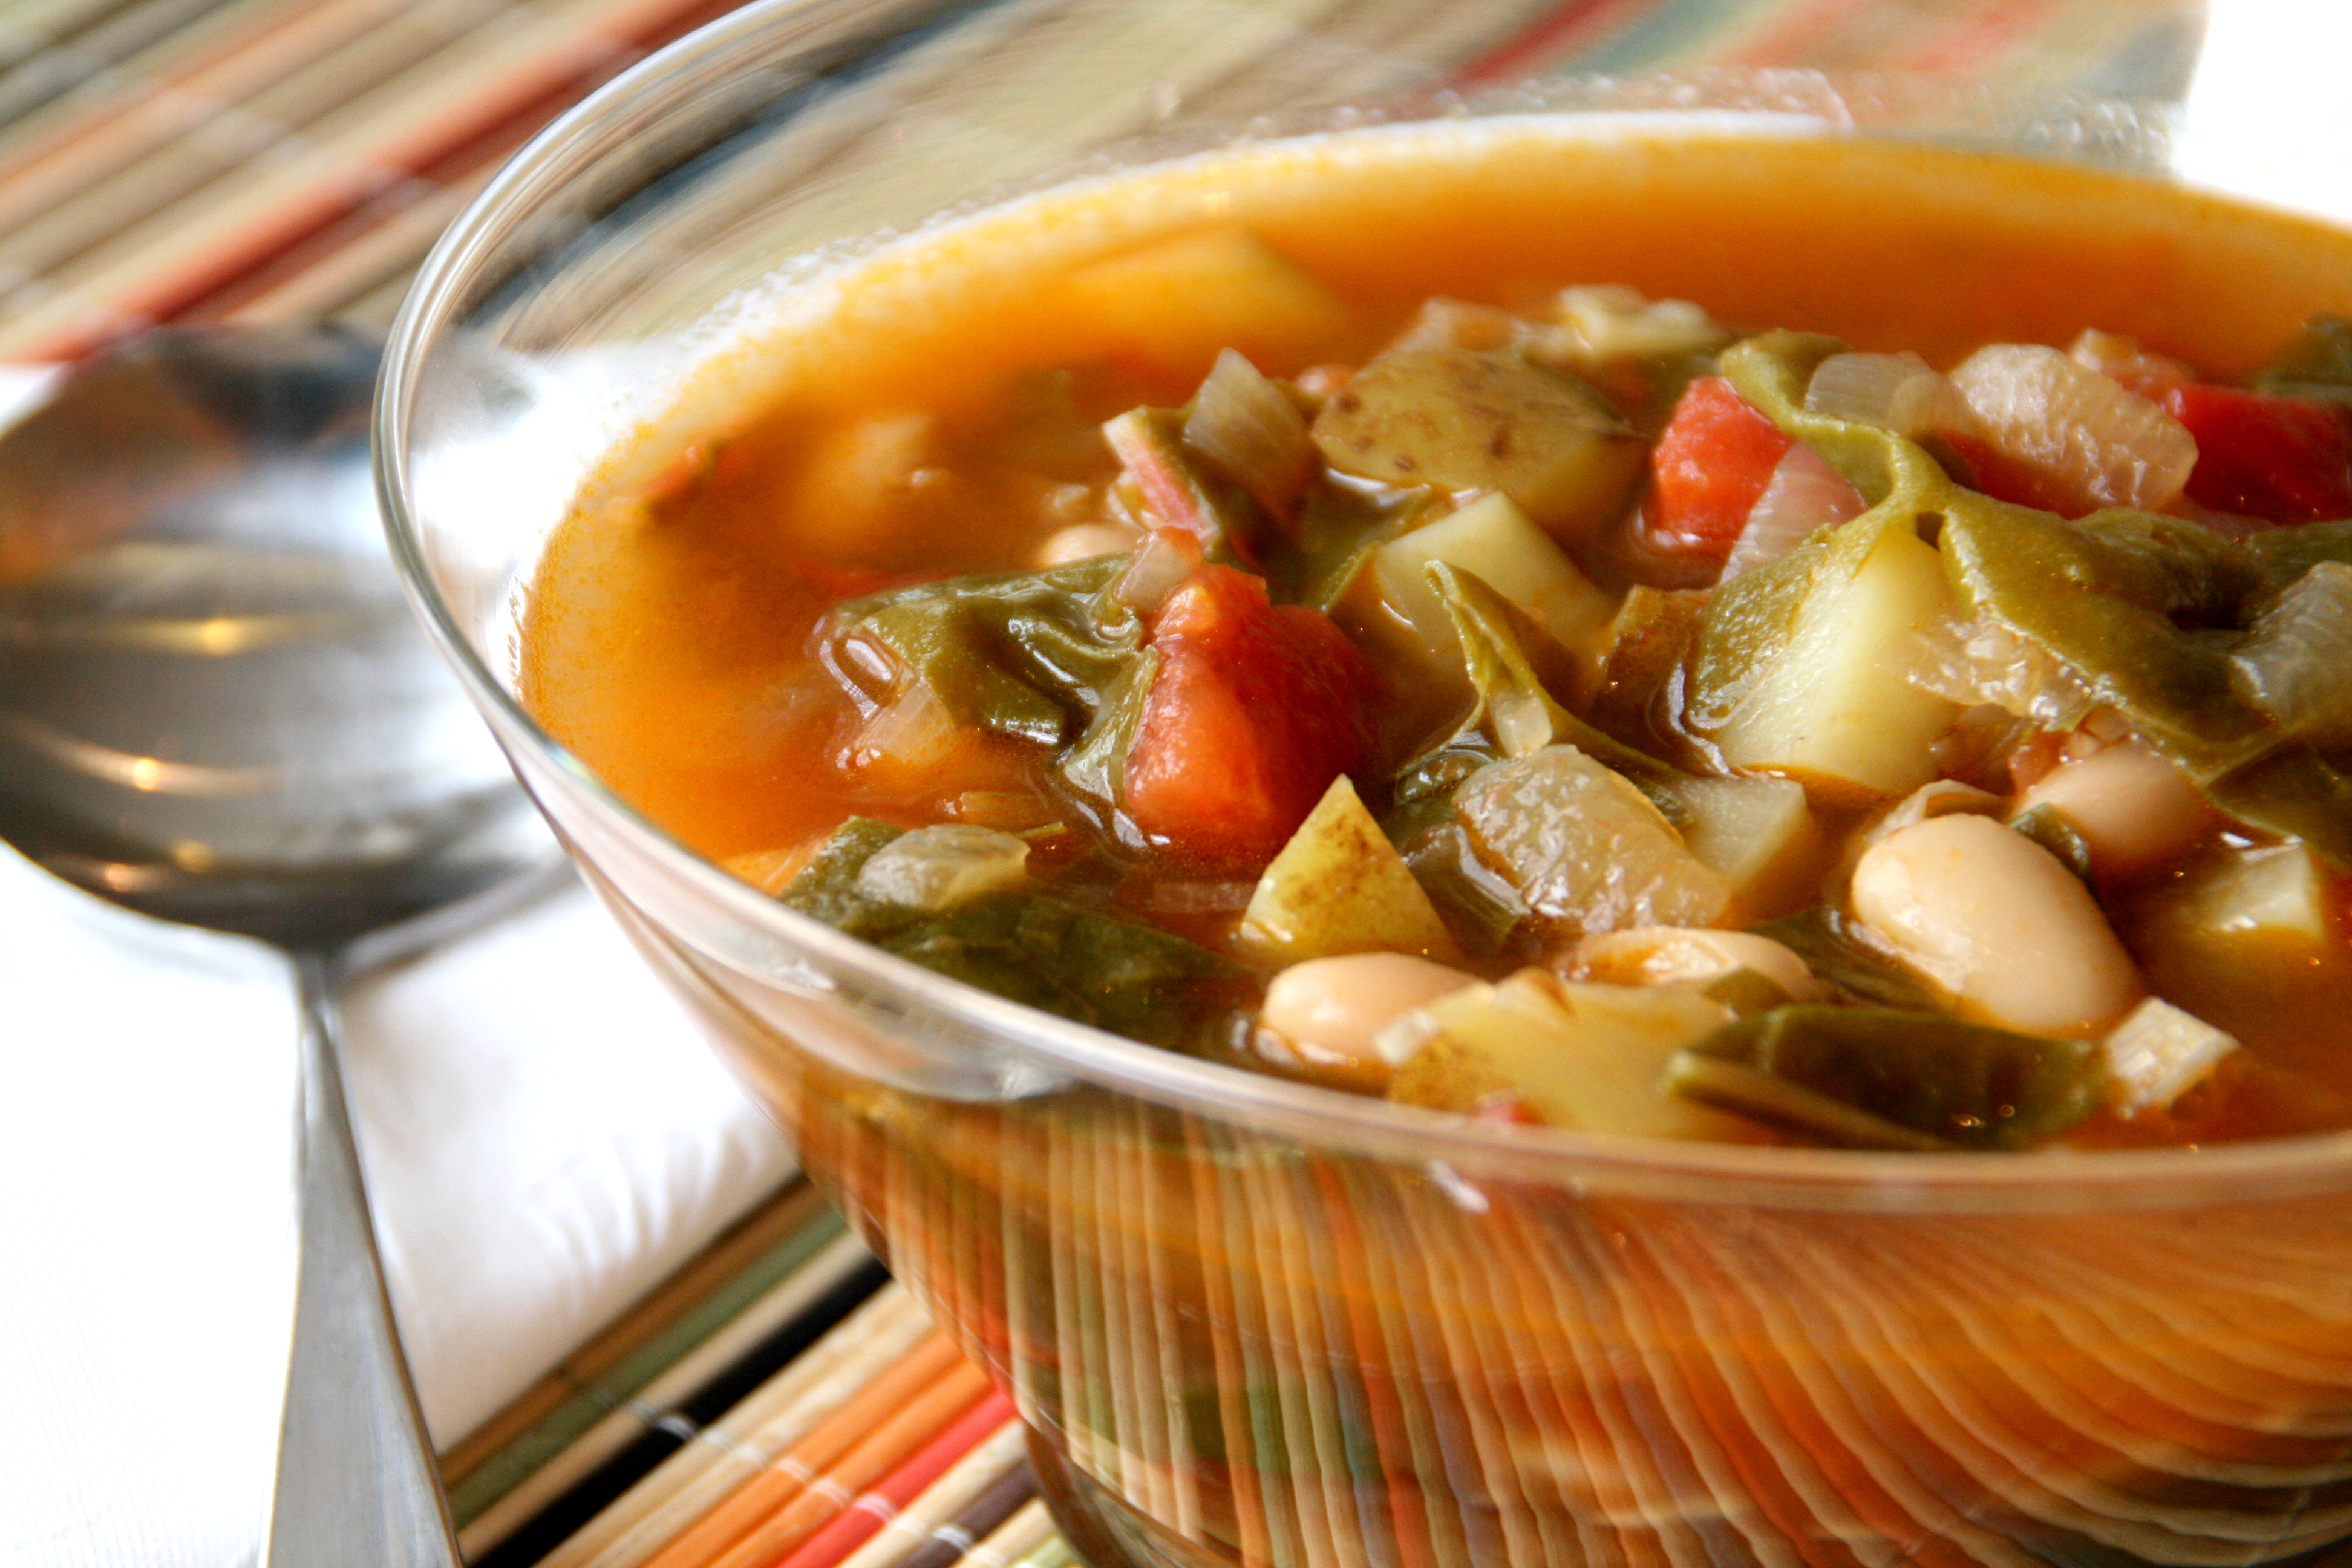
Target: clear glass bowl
(1252, 1321)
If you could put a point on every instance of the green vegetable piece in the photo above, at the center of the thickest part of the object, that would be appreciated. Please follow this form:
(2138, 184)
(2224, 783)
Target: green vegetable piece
(1752, 1092)
(1516, 664)
(2147, 612)
(2317, 363)
(2047, 827)
(1481, 910)
(1469, 419)
(1964, 1084)
(1038, 949)
(1029, 655)
(1822, 937)
(1747, 992)
(2287, 553)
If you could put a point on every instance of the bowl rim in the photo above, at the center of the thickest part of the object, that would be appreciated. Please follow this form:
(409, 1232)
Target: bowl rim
(1778, 1176)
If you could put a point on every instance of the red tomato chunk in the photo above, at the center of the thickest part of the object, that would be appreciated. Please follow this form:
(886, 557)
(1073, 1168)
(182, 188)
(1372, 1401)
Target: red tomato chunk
(1254, 709)
(2281, 459)
(1712, 460)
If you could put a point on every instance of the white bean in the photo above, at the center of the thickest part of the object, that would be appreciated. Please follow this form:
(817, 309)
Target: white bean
(1994, 919)
(1330, 1008)
(1684, 955)
(2133, 809)
(1083, 540)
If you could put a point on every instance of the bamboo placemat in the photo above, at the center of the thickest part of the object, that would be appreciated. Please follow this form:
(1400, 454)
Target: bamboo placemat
(777, 1401)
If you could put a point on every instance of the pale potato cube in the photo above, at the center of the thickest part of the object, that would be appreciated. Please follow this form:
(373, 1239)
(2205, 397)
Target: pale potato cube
(2279, 890)
(1834, 711)
(1759, 835)
(1177, 301)
(1581, 1056)
(1339, 886)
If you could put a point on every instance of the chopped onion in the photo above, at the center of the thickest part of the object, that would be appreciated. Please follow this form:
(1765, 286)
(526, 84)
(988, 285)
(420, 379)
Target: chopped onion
(1248, 430)
(1164, 559)
(1900, 392)
(911, 730)
(2092, 441)
(1609, 321)
(940, 866)
(1974, 662)
(2159, 1053)
(2297, 662)
(1803, 494)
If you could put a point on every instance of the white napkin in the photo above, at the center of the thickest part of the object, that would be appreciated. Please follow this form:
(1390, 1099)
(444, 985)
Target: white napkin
(545, 1136)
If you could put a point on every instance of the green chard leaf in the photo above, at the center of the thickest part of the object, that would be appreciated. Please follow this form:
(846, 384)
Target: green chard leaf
(1957, 1085)
(1035, 948)
(1051, 657)
(1024, 654)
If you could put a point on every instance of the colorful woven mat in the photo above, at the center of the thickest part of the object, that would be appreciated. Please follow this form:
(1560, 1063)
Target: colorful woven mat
(778, 1401)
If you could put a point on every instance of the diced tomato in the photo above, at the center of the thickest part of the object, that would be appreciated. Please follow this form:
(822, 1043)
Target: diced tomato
(1713, 460)
(2281, 459)
(1253, 710)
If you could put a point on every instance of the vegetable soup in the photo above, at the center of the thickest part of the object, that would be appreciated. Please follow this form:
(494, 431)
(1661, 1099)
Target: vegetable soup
(1749, 637)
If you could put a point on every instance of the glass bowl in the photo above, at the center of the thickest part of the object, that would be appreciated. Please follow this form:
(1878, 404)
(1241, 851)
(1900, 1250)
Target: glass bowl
(1251, 1322)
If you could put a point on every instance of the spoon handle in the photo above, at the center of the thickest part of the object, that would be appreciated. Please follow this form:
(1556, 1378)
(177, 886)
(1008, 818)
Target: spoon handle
(357, 1485)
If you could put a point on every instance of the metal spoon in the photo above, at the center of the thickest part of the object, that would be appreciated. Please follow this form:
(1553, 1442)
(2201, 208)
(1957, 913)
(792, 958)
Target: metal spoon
(216, 707)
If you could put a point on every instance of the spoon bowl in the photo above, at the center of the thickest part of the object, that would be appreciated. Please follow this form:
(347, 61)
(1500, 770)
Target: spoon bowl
(216, 707)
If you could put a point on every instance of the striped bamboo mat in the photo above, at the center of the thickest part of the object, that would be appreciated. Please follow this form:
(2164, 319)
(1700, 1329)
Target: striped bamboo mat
(778, 1401)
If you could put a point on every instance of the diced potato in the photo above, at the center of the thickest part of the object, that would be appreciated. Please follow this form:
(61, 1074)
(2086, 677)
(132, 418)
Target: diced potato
(1339, 886)
(1587, 1057)
(1177, 301)
(1586, 851)
(2278, 891)
(1472, 420)
(855, 475)
(1759, 835)
(1835, 712)
(1495, 541)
